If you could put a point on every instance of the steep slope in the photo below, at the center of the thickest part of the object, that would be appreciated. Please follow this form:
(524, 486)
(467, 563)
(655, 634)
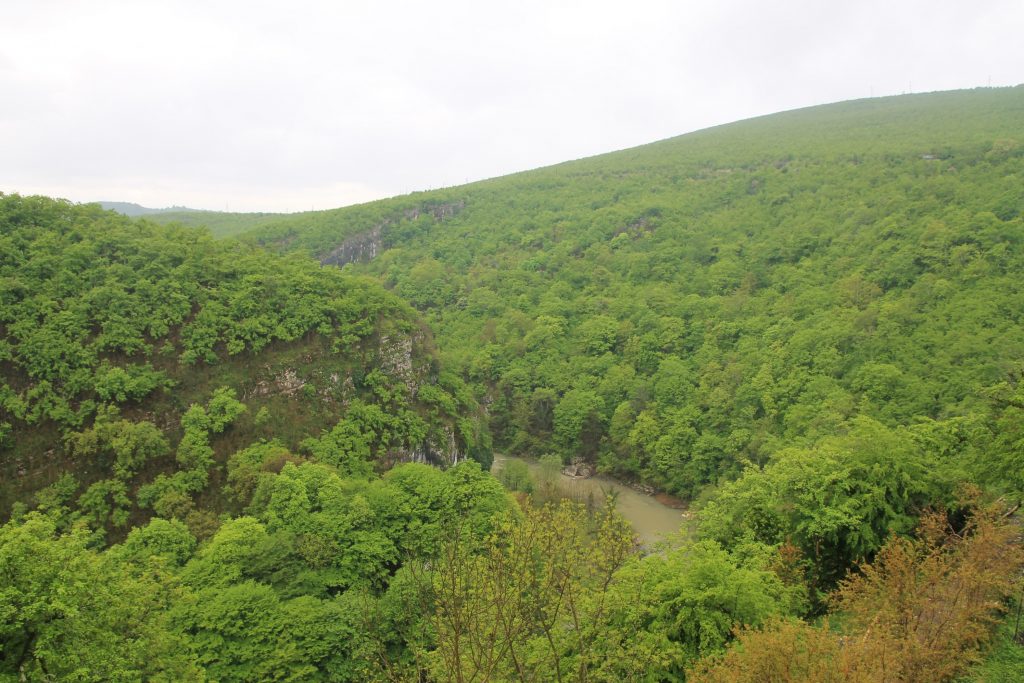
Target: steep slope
(137, 358)
(679, 309)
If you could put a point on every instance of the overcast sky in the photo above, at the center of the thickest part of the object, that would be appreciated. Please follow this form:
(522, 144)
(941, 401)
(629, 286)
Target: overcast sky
(287, 106)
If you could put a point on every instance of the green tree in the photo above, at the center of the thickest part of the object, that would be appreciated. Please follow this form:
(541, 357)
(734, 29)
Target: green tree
(70, 613)
(579, 423)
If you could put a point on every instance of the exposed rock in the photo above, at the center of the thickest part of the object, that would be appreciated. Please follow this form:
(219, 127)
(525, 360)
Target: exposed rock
(362, 247)
(418, 454)
(286, 382)
(578, 469)
(164, 421)
(334, 388)
(452, 453)
(440, 450)
(396, 359)
(445, 211)
(365, 246)
(443, 451)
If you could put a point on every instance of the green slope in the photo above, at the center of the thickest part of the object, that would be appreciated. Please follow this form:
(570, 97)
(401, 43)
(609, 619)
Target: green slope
(138, 358)
(219, 223)
(678, 309)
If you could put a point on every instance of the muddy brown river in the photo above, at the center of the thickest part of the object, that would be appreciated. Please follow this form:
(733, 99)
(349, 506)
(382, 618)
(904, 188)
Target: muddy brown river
(652, 520)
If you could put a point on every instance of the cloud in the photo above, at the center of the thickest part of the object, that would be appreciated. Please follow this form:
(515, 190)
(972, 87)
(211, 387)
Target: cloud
(266, 106)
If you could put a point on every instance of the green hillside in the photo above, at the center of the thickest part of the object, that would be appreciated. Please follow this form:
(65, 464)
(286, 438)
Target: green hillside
(219, 223)
(124, 343)
(677, 310)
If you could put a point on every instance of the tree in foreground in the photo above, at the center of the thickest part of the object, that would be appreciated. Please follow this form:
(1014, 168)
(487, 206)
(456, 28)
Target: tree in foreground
(921, 612)
(72, 614)
(551, 595)
(518, 604)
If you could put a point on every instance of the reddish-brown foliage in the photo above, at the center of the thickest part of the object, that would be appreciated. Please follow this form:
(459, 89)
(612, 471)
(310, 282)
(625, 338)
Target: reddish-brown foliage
(921, 612)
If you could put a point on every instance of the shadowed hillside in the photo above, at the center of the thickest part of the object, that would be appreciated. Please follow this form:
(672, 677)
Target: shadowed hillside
(114, 333)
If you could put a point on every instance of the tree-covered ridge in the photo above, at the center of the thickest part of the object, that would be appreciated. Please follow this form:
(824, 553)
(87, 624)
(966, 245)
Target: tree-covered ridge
(680, 309)
(126, 343)
(219, 223)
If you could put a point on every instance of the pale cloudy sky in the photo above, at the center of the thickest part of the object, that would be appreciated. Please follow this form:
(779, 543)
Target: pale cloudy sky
(286, 106)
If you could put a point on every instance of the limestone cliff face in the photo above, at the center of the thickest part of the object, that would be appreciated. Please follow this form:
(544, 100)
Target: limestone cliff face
(362, 247)
(365, 246)
(321, 382)
(438, 449)
(396, 359)
(404, 356)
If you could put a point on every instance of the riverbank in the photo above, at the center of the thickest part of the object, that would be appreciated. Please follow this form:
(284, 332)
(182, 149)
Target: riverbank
(666, 499)
(655, 518)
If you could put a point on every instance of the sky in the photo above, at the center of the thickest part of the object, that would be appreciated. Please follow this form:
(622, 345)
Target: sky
(298, 105)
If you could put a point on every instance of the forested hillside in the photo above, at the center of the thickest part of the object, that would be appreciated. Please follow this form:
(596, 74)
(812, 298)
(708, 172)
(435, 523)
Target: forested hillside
(132, 209)
(219, 223)
(679, 310)
(136, 358)
(807, 325)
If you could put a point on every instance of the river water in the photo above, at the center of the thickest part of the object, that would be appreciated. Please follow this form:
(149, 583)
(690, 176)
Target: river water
(652, 520)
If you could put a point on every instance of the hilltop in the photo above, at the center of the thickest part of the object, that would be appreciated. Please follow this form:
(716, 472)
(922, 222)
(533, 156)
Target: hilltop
(132, 209)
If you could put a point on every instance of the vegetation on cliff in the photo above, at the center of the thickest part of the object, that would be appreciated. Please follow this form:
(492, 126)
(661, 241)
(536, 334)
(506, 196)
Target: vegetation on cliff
(136, 358)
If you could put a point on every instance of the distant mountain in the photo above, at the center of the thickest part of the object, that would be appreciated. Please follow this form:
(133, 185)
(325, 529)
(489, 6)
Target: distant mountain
(130, 209)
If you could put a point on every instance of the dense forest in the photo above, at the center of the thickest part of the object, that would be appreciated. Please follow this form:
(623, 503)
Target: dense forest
(129, 349)
(264, 455)
(680, 311)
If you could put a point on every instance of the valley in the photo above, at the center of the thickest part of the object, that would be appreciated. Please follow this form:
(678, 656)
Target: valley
(652, 520)
(328, 446)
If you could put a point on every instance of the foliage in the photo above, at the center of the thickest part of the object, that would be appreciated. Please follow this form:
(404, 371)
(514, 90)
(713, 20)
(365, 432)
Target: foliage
(518, 606)
(123, 342)
(726, 293)
(665, 611)
(69, 613)
(132, 444)
(1005, 660)
(922, 611)
(515, 476)
(932, 600)
(1003, 468)
(301, 590)
(838, 502)
(170, 541)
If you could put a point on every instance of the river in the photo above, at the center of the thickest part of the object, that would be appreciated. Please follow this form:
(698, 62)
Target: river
(652, 520)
